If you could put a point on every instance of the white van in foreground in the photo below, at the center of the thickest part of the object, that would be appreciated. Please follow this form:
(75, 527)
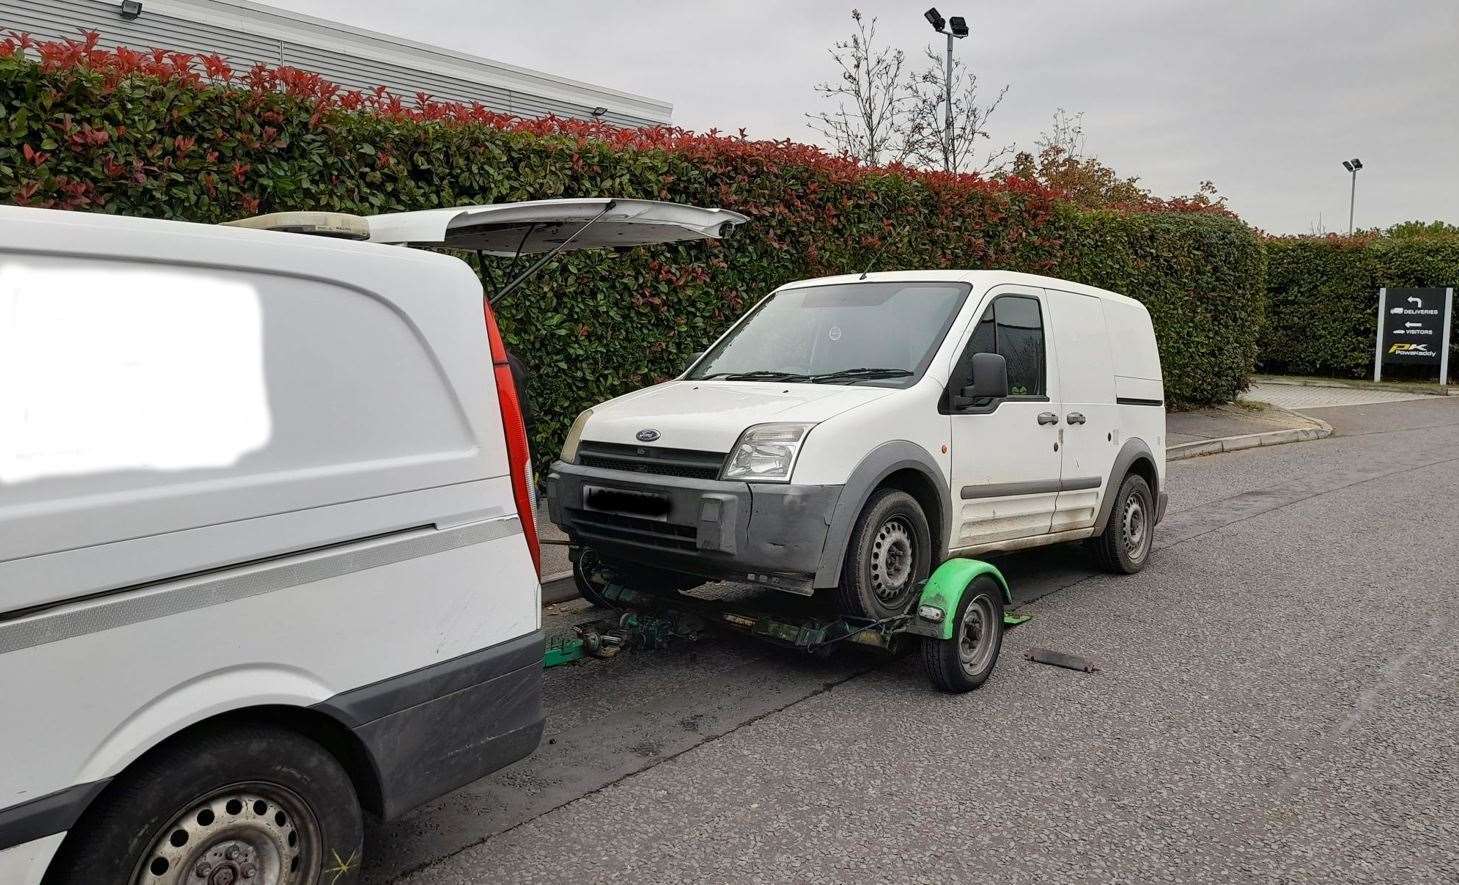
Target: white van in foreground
(852, 432)
(267, 552)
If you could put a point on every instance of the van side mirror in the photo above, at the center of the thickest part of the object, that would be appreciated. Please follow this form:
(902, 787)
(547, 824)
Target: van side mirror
(990, 375)
(990, 381)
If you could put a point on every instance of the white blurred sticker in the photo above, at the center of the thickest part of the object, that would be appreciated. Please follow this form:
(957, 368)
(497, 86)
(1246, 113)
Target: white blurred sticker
(126, 368)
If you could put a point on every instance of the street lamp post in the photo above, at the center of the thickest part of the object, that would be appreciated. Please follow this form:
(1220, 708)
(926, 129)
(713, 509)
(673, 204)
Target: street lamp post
(1352, 166)
(957, 27)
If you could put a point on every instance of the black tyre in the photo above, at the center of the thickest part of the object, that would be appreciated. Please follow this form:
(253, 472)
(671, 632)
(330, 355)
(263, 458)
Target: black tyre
(965, 661)
(888, 556)
(589, 576)
(251, 805)
(1124, 546)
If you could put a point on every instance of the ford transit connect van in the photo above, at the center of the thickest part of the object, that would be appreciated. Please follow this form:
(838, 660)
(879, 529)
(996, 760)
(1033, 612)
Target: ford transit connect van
(850, 433)
(267, 549)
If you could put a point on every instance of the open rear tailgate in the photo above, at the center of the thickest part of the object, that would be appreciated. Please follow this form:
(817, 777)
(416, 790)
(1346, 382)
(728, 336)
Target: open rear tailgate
(509, 229)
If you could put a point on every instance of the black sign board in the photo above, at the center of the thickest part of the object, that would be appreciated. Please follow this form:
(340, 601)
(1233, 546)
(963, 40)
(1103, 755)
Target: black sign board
(1413, 330)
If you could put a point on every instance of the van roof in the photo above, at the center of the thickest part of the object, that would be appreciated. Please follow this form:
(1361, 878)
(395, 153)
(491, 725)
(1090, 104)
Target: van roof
(979, 279)
(184, 242)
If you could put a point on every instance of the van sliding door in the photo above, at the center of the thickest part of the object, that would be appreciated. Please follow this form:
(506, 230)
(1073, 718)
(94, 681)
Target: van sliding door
(1089, 417)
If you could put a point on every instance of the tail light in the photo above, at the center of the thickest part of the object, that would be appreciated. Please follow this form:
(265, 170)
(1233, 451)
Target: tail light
(519, 455)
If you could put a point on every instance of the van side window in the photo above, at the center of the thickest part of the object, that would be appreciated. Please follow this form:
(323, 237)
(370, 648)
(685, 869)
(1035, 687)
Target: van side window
(1020, 339)
(1013, 327)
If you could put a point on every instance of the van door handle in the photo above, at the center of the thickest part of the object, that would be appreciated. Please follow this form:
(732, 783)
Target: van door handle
(1074, 418)
(1048, 418)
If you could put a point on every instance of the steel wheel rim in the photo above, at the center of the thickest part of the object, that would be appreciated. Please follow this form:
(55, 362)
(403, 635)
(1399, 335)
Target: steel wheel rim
(1135, 527)
(975, 635)
(893, 559)
(245, 834)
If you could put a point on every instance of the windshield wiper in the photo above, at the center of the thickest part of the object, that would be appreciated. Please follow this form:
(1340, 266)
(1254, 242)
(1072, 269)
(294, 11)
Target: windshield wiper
(757, 375)
(859, 375)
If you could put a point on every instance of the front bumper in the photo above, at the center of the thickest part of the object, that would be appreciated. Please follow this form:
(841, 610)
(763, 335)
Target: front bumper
(771, 533)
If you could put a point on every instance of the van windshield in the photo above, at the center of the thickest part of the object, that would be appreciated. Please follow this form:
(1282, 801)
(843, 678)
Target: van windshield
(849, 333)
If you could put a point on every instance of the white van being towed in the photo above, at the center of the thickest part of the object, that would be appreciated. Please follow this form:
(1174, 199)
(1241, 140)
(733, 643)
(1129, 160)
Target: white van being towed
(267, 550)
(852, 432)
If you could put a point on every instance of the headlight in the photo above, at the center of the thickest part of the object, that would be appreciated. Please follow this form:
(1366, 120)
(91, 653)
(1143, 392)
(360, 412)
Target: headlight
(575, 436)
(766, 453)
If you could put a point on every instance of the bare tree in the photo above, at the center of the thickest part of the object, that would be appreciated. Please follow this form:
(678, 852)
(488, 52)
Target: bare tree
(875, 102)
(958, 150)
(1064, 137)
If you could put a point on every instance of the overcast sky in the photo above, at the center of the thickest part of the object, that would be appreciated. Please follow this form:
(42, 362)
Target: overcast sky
(1264, 97)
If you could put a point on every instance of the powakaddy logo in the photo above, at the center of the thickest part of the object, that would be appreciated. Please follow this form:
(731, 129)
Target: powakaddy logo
(647, 435)
(1408, 348)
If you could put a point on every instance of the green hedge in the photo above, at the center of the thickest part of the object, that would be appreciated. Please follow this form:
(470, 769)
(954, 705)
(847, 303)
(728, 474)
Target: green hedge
(81, 135)
(1322, 296)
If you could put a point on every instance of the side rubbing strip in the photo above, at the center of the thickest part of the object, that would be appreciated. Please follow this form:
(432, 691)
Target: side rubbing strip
(188, 594)
(1005, 489)
(46, 815)
(1136, 401)
(1035, 487)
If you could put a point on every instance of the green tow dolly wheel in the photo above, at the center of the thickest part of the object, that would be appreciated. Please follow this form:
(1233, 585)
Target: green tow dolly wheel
(960, 619)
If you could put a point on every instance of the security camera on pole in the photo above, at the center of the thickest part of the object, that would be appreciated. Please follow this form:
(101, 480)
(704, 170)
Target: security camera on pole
(957, 27)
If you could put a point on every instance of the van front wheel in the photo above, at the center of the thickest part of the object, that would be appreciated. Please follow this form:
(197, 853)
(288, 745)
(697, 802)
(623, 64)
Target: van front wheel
(888, 557)
(250, 805)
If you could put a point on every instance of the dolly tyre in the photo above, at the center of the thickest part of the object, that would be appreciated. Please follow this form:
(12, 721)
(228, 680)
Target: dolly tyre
(965, 661)
(238, 805)
(888, 557)
(1124, 547)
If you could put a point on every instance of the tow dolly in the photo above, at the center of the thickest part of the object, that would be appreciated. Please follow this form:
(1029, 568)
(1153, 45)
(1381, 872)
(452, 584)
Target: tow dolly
(951, 632)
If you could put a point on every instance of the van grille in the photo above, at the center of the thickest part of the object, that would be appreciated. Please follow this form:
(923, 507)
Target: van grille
(629, 529)
(650, 459)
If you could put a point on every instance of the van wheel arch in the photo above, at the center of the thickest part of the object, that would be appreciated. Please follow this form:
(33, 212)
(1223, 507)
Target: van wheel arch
(333, 735)
(1134, 457)
(297, 775)
(921, 487)
(898, 464)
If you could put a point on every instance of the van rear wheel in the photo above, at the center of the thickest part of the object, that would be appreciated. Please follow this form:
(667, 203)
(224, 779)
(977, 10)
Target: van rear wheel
(244, 805)
(1124, 546)
(888, 557)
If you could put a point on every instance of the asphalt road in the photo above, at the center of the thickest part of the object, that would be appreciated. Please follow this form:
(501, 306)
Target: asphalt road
(1277, 700)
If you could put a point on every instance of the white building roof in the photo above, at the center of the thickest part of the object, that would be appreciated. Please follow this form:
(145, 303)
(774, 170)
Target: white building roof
(354, 58)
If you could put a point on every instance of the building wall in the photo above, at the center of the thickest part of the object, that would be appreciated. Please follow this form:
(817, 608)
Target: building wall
(246, 33)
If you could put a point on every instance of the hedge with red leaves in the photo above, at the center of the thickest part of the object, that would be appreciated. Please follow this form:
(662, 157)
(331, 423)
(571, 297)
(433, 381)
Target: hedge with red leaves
(169, 135)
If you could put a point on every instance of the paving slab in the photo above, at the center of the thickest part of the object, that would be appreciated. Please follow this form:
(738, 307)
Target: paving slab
(1217, 422)
(1310, 396)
